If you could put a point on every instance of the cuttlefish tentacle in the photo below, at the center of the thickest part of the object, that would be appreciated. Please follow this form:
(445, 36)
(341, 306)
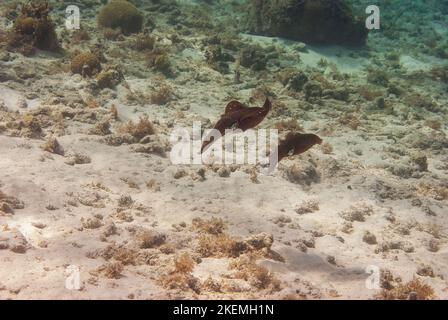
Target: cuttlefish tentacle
(238, 116)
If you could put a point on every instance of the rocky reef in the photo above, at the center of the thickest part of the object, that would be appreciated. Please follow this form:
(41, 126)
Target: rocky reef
(311, 21)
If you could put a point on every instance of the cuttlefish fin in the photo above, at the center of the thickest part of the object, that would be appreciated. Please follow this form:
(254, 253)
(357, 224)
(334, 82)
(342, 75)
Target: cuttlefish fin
(267, 103)
(233, 106)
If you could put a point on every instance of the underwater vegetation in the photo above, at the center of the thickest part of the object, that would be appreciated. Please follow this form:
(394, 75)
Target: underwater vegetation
(94, 121)
(311, 21)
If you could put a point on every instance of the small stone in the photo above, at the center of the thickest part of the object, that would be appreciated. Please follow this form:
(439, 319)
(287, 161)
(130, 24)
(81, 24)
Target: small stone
(224, 172)
(43, 244)
(52, 145)
(39, 225)
(309, 241)
(347, 227)
(180, 173)
(331, 260)
(22, 104)
(425, 271)
(14, 241)
(369, 238)
(433, 245)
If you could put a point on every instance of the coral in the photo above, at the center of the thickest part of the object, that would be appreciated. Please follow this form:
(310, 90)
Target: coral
(13, 240)
(420, 101)
(108, 78)
(91, 223)
(378, 77)
(140, 129)
(184, 263)
(181, 277)
(293, 79)
(253, 57)
(288, 125)
(162, 63)
(220, 245)
(112, 270)
(144, 42)
(312, 89)
(85, 64)
(258, 276)
(8, 204)
(121, 14)
(162, 95)
(302, 175)
(308, 206)
(213, 226)
(112, 34)
(148, 239)
(357, 212)
(33, 28)
(369, 238)
(218, 59)
(412, 290)
(52, 145)
(313, 21)
(180, 281)
(101, 129)
(153, 185)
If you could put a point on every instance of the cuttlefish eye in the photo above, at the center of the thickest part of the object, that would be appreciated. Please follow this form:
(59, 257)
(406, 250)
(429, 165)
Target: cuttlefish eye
(291, 152)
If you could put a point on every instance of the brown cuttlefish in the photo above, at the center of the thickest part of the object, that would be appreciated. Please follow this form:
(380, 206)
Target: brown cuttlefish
(238, 116)
(294, 144)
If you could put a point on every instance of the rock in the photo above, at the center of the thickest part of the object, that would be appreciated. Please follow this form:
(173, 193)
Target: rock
(311, 21)
(180, 173)
(369, 238)
(224, 172)
(39, 225)
(52, 145)
(78, 158)
(110, 229)
(308, 240)
(331, 260)
(425, 271)
(395, 245)
(260, 241)
(21, 103)
(433, 245)
(8, 204)
(305, 175)
(357, 212)
(308, 206)
(14, 241)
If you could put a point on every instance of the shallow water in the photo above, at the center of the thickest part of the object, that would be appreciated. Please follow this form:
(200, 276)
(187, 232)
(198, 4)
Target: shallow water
(102, 181)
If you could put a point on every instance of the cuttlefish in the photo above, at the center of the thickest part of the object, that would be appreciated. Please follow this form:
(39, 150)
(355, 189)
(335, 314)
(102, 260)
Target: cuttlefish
(294, 144)
(238, 116)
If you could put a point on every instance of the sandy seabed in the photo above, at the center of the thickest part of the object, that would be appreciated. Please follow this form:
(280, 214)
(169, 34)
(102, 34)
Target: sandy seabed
(86, 181)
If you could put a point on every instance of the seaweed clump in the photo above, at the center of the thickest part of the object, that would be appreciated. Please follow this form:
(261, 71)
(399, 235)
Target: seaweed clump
(312, 21)
(121, 14)
(33, 29)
